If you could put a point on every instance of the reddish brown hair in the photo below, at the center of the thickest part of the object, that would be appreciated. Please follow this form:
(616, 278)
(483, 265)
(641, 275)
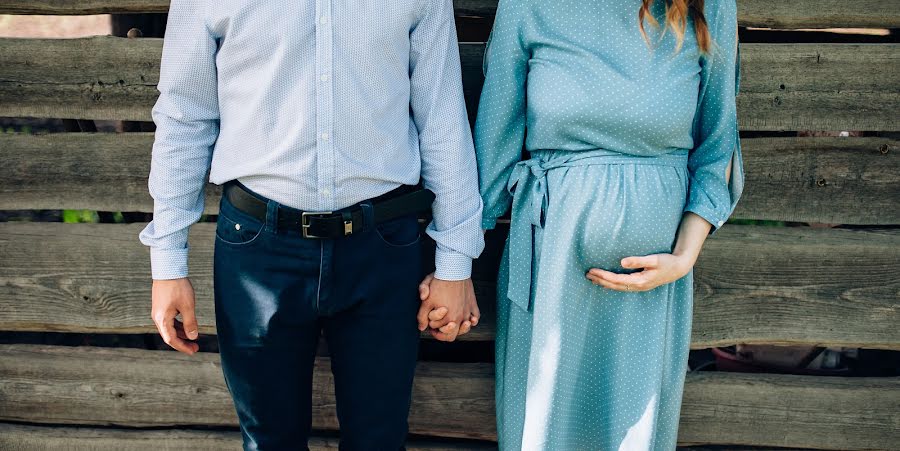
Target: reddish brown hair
(676, 18)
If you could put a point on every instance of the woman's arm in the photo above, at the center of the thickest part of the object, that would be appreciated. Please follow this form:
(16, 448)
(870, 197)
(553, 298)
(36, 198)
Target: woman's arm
(715, 165)
(500, 123)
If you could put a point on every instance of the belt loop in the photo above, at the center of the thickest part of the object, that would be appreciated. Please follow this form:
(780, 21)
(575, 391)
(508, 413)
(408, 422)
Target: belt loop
(271, 216)
(368, 215)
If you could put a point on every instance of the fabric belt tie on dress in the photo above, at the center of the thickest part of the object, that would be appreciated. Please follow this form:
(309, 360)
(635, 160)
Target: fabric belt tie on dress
(528, 186)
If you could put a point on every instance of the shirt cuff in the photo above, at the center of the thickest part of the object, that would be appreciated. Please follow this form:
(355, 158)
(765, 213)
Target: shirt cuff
(168, 263)
(451, 265)
(709, 215)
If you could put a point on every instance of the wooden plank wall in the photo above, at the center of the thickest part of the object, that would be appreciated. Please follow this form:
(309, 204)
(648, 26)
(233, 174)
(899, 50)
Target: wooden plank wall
(754, 284)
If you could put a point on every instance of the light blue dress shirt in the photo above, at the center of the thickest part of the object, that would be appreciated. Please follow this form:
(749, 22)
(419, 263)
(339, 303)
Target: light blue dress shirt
(317, 104)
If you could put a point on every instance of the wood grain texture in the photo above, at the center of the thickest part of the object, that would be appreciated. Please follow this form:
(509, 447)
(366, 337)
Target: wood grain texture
(752, 284)
(22, 437)
(830, 180)
(129, 387)
(827, 180)
(138, 388)
(791, 411)
(27, 437)
(755, 13)
(784, 87)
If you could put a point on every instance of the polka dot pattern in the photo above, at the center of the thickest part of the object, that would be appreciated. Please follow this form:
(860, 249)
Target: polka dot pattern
(628, 137)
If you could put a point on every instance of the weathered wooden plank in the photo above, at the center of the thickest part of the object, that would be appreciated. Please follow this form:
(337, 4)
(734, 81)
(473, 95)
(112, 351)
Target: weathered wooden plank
(129, 387)
(752, 284)
(754, 13)
(22, 437)
(785, 86)
(831, 180)
(781, 285)
(791, 411)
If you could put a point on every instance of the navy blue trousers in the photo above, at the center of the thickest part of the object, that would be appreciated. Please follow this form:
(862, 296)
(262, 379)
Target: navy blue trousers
(277, 292)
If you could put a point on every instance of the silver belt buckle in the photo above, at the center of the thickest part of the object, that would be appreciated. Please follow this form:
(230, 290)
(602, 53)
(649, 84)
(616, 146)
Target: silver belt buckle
(304, 222)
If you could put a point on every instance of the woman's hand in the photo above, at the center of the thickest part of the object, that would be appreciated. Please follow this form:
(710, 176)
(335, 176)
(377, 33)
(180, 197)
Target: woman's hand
(658, 269)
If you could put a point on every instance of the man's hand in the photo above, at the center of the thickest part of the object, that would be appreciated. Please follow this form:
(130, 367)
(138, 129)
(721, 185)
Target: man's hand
(171, 297)
(449, 308)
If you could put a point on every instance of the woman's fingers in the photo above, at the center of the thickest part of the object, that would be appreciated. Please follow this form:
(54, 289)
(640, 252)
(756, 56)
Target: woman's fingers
(437, 314)
(648, 261)
(605, 283)
(621, 279)
(642, 281)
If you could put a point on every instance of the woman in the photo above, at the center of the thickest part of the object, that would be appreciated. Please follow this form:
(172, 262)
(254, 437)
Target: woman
(634, 159)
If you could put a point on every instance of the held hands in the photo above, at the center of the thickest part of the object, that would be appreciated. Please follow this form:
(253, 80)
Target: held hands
(449, 308)
(658, 269)
(171, 297)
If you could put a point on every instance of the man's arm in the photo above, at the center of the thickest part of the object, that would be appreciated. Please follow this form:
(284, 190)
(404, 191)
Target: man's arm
(186, 115)
(448, 157)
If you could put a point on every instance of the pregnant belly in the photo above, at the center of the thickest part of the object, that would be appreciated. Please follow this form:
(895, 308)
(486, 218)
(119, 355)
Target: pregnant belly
(608, 212)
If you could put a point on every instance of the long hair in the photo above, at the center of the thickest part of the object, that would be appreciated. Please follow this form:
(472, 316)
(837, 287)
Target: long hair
(676, 18)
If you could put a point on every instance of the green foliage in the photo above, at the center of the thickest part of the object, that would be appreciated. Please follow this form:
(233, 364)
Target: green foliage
(76, 216)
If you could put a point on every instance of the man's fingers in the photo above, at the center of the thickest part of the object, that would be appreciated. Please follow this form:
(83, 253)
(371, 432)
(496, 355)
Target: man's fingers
(424, 291)
(422, 316)
(465, 328)
(437, 314)
(444, 336)
(448, 328)
(475, 315)
(179, 330)
(171, 338)
(190, 323)
(425, 287)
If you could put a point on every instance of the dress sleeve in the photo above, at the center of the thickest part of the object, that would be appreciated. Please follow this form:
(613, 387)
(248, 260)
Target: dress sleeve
(712, 194)
(500, 123)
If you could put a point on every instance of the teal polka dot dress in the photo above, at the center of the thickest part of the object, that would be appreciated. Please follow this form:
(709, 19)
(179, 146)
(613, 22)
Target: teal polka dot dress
(622, 138)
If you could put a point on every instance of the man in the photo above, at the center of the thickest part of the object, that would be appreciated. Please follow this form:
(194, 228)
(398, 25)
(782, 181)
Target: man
(318, 117)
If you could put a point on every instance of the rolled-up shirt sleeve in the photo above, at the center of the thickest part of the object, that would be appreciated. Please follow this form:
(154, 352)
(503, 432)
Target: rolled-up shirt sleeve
(445, 141)
(186, 115)
(714, 192)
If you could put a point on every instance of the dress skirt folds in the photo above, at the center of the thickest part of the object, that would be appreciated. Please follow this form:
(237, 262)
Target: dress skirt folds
(622, 138)
(579, 366)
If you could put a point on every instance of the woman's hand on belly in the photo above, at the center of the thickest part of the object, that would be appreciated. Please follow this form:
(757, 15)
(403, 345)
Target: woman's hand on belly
(656, 270)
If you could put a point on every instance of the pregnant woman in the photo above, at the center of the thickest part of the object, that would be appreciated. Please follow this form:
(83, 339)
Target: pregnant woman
(627, 111)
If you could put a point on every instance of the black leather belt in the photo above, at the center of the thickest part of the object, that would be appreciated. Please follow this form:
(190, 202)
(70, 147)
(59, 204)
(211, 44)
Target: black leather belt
(399, 202)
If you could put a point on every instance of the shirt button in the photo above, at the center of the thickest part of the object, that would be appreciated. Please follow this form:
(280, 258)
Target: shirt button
(324, 77)
(325, 136)
(326, 192)
(323, 20)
